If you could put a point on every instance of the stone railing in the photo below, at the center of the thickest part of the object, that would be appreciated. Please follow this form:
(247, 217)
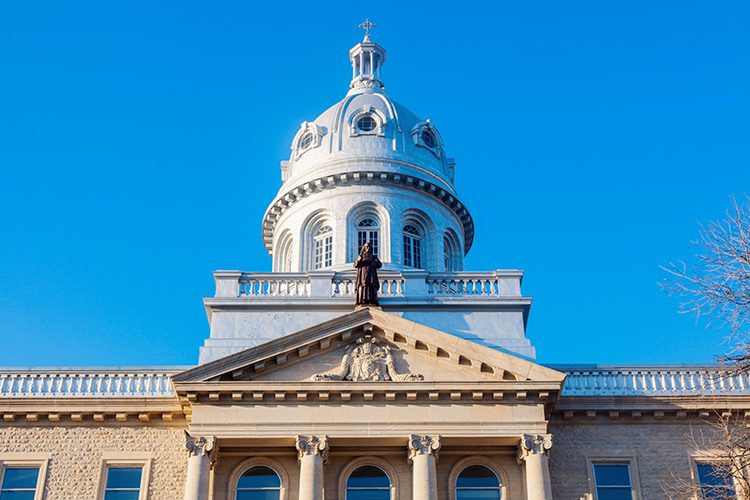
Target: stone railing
(656, 381)
(405, 283)
(86, 383)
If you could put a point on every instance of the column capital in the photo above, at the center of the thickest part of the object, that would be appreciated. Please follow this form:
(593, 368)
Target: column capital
(534, 444)
(202, 447)
(423, 445)
(312, 445)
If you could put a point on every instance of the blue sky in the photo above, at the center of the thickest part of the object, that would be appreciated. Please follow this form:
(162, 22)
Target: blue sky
(140, 144)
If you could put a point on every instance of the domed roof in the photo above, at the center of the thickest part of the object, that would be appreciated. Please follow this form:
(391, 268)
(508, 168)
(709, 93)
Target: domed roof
(368, 126)
(367, 137)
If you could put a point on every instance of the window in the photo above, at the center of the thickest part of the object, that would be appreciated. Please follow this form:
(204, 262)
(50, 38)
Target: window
(428, 138)
(367, 123)
(259, 483)
(368, 483)
(123, 483)
(612, 481)
(323, 239)
(305, 141)
(412, 246)
(19, 483)
(715, 481)
(368, 231)
(477, 483)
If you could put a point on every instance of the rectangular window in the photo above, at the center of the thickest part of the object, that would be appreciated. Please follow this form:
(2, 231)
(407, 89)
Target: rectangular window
(19, 483)
(123, 483)
(612, 481)
(407, 251)
(715, 481)
(364, 236)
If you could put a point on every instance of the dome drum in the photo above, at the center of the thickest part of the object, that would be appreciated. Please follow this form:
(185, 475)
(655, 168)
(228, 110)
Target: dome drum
(326, 232)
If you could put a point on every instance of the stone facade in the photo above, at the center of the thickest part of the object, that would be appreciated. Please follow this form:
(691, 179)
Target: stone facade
(76, 453)
(656, 450)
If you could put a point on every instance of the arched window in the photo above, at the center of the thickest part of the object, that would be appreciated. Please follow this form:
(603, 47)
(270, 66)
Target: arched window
(259, 483)
(412, 246)
(477, 482)
(368, 231)
(448, 254)
(368, 483)
(323, 241)
(451, 253)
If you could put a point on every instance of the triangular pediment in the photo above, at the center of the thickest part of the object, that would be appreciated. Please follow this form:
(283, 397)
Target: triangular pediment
(369, 345)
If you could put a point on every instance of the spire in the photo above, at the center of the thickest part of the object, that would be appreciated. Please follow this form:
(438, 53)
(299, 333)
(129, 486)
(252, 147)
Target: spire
(367, 57)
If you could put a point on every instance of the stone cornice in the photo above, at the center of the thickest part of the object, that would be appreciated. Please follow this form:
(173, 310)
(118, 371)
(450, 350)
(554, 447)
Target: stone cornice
(134, 410)
(294, 393)
(288, 198)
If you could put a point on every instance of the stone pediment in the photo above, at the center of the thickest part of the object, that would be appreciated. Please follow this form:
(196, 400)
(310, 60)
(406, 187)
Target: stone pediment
(372, 347)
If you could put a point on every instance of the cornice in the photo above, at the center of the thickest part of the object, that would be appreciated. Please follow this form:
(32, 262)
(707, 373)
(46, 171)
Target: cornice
(368, 177)
(98, 410)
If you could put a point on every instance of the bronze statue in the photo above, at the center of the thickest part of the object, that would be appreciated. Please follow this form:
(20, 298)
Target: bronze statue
(367, 276)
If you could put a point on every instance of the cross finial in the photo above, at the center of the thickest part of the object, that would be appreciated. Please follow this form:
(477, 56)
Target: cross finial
(367, 26)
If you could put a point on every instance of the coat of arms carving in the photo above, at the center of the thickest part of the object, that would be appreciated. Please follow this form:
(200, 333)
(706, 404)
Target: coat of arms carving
(368, 362)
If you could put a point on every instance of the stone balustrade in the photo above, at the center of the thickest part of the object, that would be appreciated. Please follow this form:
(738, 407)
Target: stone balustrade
(405, 283)
(86, 383)
(653, 381)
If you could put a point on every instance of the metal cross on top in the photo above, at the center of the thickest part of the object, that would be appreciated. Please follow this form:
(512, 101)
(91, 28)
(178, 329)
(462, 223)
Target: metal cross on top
(367, 26)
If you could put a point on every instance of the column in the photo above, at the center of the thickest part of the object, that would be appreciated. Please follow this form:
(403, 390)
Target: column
(312, 452)
(202, 454)
(423, 452)
(533, 453)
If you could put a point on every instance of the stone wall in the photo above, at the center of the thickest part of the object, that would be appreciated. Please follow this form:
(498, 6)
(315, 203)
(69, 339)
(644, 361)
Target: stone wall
(657, 449)
(76, 455)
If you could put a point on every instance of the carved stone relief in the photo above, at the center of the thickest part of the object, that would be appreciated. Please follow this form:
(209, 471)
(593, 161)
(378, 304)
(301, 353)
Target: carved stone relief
(368, 361)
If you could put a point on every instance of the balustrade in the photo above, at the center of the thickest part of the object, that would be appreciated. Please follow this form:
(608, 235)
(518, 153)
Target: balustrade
(653, 381)
(392, 284)
(89, 384)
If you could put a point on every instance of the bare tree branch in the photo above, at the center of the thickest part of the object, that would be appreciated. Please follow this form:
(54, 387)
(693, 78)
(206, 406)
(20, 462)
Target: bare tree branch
(715, 286)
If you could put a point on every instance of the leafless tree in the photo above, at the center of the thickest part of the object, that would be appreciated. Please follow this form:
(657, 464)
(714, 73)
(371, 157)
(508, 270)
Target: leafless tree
(716, 285)
(725, 444)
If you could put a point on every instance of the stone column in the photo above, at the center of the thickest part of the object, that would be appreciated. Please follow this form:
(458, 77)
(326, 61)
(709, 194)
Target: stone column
(312, 452)
(202, 454)
(533, 453)
(423, 452)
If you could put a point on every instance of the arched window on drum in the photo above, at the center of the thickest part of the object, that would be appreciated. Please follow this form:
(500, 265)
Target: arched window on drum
(477, 482)
(259, 483)
(413, 243)
(368, 483)
(323, 247)
(452, 259)
(368, 231)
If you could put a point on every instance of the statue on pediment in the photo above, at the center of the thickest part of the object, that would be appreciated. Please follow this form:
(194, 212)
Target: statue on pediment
(367, 284)
(368, 362)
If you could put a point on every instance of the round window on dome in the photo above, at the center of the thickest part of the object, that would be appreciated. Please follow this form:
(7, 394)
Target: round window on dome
(428, 138)
(306, 140)
(367, 123)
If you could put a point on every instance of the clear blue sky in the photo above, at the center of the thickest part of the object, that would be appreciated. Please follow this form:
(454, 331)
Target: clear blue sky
(140, 144)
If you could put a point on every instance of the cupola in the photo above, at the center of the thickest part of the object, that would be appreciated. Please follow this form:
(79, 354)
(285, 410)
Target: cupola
(367, 57)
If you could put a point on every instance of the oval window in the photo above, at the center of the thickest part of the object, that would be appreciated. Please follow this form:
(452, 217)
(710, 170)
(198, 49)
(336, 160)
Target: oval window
(306, 140)
(429, 138)
(367, 123)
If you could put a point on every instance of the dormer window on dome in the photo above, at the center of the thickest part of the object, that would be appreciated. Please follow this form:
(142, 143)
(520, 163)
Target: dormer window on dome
(367, 121)
(308, 137)
(426, 136)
